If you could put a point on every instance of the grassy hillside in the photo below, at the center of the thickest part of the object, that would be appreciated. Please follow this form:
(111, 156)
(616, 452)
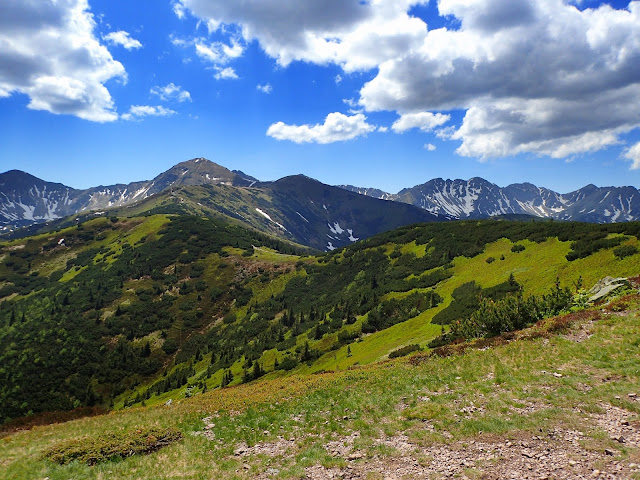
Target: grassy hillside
(559, 401)
(140, 311)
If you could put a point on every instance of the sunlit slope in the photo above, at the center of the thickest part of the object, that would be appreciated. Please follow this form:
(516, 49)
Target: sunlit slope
(125, 311)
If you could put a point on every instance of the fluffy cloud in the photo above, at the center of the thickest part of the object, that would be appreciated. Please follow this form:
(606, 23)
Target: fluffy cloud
(139, 111)
(48, 52)
(337, 127)
(171, 92)
(266, 88)
(540, 77)
(425, 121)
(532, 76)
(123, 39)
(227, 73)
(430, 147)
(633, 154)
(357, 35)
(217, 54)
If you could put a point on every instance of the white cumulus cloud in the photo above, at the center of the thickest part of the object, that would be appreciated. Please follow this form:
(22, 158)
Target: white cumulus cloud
(540, 77)
(336, 127)
(48, 51)
(356, 35)
(171, 92)
(531, 76)
(139, 111)
(430, 147)
(633, 154)
(218, 53)
(425, 121)
(227, 73)
(123, 39)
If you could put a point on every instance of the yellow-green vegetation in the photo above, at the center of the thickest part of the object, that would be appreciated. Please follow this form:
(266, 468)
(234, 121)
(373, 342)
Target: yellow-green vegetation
(112, 446)
(534, 387)
(140, 311)
(268, 254)
(534, 265)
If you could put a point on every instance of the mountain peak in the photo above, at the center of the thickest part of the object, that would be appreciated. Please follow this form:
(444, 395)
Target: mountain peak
(197, 171)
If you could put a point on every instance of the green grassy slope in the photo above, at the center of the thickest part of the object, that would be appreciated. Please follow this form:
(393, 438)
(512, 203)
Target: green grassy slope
(150, 309)
(549, 404)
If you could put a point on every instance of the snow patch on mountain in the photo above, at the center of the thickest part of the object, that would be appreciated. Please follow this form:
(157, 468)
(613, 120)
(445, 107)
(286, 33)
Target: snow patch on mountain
(335, 228)
(266, 215)
(302, 217)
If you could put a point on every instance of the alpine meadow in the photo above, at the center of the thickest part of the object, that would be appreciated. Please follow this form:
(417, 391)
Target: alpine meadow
(415, 253)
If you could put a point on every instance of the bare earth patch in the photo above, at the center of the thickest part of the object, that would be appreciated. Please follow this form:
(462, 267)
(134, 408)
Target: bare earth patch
(555, 454)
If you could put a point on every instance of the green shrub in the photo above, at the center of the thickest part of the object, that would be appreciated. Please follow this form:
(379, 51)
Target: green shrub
(625, 251)
(517, 248)
(406, 350)
(111, 446)
(170, 346)
(512, 312)
(287, 363)
(229, 318)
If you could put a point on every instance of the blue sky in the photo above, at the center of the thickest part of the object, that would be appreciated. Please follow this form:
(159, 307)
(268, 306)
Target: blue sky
(382, 93)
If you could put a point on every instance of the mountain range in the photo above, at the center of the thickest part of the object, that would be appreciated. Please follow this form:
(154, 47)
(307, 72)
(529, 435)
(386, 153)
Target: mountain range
(478, 198)
(25, 199)
(302, 209)
(295, 208)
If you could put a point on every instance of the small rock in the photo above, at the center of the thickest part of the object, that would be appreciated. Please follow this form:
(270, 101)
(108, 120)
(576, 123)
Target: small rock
(625, 423)
(355, 456)
(246, 466)
(619, 439)
(210, 426)
(572, 462)
(632, 395)
(557, 375)
(266, 432)
(609, 452)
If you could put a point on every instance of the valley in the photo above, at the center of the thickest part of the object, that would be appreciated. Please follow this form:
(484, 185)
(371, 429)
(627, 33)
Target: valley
(206, 302)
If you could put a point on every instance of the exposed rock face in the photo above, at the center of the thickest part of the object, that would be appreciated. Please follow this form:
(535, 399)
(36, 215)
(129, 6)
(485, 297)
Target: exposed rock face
(478, 198)
(605, 286)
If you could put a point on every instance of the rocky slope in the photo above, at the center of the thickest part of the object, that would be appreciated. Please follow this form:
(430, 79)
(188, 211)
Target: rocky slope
(478, 198)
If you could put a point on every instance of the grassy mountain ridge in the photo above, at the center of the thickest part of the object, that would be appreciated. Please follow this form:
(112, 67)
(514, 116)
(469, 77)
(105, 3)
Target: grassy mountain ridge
(154, 308)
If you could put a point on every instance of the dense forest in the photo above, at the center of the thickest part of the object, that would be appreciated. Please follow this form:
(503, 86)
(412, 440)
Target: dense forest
(130, 306)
